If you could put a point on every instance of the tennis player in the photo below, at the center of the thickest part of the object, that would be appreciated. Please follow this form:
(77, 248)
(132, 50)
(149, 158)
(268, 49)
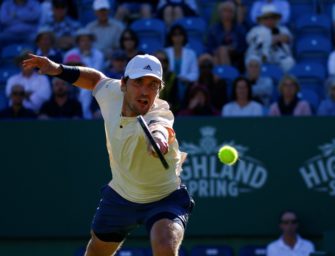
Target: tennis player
(141, 191)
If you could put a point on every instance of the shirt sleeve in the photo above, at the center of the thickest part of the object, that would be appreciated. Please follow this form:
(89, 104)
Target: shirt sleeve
(107, 93)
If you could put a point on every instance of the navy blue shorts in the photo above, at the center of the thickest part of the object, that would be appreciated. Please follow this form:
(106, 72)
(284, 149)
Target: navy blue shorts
(116, 217)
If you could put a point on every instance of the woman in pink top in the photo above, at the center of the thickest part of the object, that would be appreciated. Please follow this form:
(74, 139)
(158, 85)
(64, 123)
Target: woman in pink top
(289, 103)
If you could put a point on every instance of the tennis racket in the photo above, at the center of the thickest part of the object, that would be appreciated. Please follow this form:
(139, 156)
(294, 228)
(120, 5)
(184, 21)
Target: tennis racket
(152, 141)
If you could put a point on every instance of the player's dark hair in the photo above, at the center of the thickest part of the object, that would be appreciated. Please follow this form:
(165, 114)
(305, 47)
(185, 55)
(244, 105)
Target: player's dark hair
(281, 214)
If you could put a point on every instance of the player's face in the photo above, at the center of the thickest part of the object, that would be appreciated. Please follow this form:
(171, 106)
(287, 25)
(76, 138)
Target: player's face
(139, 95)
(289, 223)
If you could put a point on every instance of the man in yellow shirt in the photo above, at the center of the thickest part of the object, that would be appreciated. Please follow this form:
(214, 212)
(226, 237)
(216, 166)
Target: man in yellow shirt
(141, 191)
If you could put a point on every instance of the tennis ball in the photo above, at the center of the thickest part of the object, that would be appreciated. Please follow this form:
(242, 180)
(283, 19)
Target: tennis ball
(228, 155)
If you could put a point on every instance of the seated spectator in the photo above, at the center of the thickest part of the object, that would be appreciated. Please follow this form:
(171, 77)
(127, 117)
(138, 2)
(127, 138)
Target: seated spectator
(18, 21)
(62, 25)
(198, 103)
(129, 43)
(171, 10)
(183, 61)
(17, 110)
(84, 96)
(45, 42)
(290, 242)
(270, 41)
(60, 105)
(117, 65)
(327, 106)
(242, 103)
(289, 103)
(216, 86)
(103, 27)
(226, 39)
(127, 10)
(170, 91)
(331, 63)
(262, 86)
(283, 7)
(37, 87)
(91, 56)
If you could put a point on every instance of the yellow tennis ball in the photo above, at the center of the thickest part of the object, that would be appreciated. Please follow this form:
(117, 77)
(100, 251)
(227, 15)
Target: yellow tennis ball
(228, 155)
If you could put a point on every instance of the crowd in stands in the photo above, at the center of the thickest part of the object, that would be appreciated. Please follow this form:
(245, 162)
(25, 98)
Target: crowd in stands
(239, 58)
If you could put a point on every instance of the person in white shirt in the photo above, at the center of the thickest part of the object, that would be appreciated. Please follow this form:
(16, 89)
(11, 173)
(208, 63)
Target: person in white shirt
(290, 243)
(142, 191)
(242, 103)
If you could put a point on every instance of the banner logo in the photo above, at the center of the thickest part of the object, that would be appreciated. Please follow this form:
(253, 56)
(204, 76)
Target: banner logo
(206, 176)
(318, 172)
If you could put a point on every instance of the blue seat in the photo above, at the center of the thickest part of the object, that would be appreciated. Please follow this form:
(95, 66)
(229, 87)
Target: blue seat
(273, 71)
(196, 30)
(5, 73)
(315, 23)
(131, 252)
(313, 48)
(226, 72)
(252, 250)
(10, 52)
(300, 8)
(310, 75)
(311, 96)
(216, 250)
(151, 32)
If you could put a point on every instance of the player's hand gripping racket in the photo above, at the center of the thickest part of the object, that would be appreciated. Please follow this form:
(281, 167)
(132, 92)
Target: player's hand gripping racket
(152, 141)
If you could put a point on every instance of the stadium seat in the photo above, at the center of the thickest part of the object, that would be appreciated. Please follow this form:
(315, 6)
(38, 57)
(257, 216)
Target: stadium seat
(226, 72)
(310, 76)
(207, 250)
(182, 252)
(131, 252)
(151, 33)
(196, 30)
(5, 73)
(207, 9)
(252, 250)
(313, 48)
(10, 52)
(311, 96)
(300, 8)
(312, 24)
(273, 71)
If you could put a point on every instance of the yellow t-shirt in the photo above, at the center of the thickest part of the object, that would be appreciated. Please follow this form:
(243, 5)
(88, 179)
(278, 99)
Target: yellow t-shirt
(137, 176)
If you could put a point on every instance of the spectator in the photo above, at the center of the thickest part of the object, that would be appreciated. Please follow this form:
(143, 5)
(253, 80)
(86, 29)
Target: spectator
(17, 110)
(283, 7)
(84, 96)
(198, 103)
(117, 66)
(170, 92)
(128, 10)
(216, 86)
(226, 38)
(327, 106)
(289, 104)
(129, 43)
(37, 87)
(107, 31)
(18, 21)
(62, 25)
(290, 242)
(45, 42)
(269, 41)
(60, 105)
(183, 61)
(262, 86)
(242, 103)
(91, 56)
(172, 10)
(331, 63)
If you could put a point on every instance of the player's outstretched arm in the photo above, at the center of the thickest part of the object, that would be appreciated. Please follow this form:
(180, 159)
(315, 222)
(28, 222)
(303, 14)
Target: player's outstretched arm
(82, 77)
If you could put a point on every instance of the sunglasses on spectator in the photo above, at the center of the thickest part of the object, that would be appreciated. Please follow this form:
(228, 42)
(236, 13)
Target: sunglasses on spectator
(18, 93)
(286, 222)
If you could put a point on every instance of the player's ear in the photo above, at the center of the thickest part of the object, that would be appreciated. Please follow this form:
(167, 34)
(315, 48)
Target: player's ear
(123, 84)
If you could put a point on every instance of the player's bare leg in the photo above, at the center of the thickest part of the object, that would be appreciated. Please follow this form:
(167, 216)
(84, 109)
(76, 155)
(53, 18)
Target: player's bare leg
(96, 247)
(166, 237)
